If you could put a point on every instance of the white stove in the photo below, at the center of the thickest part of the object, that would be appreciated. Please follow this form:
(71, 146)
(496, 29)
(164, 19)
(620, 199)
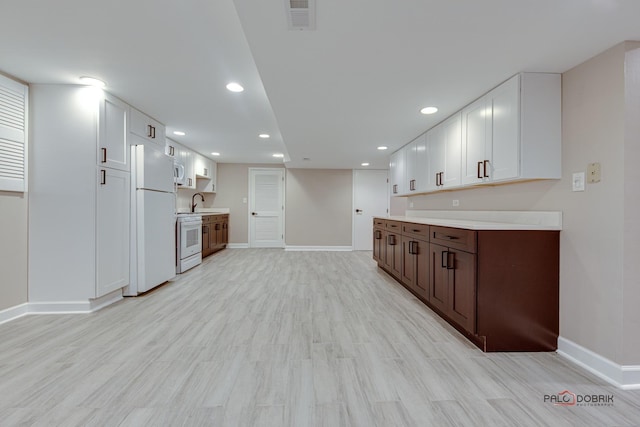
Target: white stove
(189, 241)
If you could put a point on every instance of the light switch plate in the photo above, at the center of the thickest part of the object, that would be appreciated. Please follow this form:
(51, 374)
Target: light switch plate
(578, 181)
(593, 173)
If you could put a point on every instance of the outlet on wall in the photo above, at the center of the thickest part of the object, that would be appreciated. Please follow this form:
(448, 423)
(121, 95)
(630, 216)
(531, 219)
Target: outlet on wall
(456, 202)
(410, 204)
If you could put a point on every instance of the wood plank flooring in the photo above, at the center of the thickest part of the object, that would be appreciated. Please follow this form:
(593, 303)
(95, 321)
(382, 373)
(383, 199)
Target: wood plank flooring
(273, 338)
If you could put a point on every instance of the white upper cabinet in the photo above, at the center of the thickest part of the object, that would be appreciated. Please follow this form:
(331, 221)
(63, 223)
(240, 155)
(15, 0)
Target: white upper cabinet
(416, 164)
(443, 145)
(113, 148)
(514, 131)
(397, 168)
(146, 128)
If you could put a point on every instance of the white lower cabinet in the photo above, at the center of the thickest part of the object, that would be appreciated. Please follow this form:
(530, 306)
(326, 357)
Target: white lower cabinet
(112, 230)
(78, 207)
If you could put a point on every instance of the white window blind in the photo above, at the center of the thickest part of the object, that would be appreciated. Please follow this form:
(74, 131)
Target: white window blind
(13, 135)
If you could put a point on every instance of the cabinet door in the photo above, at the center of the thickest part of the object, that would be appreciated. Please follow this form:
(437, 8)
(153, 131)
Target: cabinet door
(408, 270)
(206, 248)
(452, 141)
(225, 232)
(379, 246)
(436, 158)
(504, 156)
(421, 254)
(112, 230)
(476, 135)
(188, 158)
(393, 254)
(438, 277)
(170, 149)
(397, 172)
(462, 289)
(146, 127)
(113, 148)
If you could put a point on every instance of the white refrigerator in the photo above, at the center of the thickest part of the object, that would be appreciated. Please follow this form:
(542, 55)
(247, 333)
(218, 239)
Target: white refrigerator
(153, 241)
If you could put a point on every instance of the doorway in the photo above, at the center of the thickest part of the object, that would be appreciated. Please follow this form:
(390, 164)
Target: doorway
(370, 198)
(266, 208)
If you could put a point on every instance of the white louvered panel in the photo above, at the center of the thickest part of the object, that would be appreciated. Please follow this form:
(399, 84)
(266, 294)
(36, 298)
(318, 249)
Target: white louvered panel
(13, 99)
(267, 228)
(267, 193)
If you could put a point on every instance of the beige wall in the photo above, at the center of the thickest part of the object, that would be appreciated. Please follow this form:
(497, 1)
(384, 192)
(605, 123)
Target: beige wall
(631, 290)
(318, 207)
(592, 270)
(13, 249)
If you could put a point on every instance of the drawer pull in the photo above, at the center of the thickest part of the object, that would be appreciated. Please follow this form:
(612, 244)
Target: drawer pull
(479, 173)
(485, 169)
(451, 260)
(415, 231)
(443, 263)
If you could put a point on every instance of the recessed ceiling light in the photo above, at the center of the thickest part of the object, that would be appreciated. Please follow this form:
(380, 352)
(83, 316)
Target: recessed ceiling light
(92, 81)
(429, 110)
(382, 147)
(215, 154)
(364, 164)
(179, 133)
(235, 87)
(278, 155)
(264, 135)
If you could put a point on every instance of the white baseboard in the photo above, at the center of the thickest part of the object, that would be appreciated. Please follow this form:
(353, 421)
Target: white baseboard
(12, 313)
(626, 377)
(319, 248)
(59, 307)
(238, 245)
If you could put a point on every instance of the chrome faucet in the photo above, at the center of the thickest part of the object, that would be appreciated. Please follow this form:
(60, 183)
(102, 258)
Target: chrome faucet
(193, 203)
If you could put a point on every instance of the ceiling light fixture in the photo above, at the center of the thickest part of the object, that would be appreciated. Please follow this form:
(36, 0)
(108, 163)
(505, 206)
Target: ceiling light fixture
(382, 147)
(264, 136)
(364, 164)
(278, 155)
(234, 87)
(179, 133)
(429, 110)
(215, 154)
(92, 81)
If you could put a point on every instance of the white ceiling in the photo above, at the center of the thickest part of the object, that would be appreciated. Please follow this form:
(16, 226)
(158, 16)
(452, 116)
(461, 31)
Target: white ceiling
(333, 94)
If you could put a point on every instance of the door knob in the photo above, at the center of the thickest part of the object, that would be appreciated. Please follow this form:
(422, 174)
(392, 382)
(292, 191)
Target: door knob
(254, 213)
(358, 210)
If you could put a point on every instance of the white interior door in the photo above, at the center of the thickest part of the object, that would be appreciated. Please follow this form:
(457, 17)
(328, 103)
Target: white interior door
(370, 198)
(266, 208)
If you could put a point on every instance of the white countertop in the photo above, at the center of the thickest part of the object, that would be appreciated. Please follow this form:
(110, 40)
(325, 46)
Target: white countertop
(205, 211)
(485, 220)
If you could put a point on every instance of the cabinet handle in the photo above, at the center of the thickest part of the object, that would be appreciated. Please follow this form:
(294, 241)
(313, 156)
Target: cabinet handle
(190, 182)
(412, 185)
(205, 229)
(154, 132)
(217, 227)
(391, 240)
(104, 155)
(205, 172)
(451, 261)
(395, 188)
(378, 235)
(149, 131)
(224, 226)
(171, 153)
(412, 248)
(103, 177)
(479, 166)
(486, 162)
(443, 263)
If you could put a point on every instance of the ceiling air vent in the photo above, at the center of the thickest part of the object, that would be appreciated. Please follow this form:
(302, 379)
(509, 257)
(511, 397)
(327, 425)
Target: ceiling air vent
(301, 14)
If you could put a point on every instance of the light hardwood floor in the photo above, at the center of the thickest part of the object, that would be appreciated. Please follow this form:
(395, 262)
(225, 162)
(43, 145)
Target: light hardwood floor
(274, 338)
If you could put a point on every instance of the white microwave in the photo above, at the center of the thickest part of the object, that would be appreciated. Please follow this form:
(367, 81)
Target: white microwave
(178, 173)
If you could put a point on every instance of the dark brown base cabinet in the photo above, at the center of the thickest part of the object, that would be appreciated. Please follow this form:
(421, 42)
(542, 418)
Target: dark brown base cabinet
(500, 288)
(215, 233)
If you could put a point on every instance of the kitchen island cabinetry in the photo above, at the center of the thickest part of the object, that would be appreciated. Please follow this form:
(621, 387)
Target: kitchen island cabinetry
(498, 287)
(79, 200)
(215, 233)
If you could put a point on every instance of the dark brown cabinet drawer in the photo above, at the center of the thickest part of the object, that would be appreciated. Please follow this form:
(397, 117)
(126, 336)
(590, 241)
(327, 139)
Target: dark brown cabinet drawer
(379, 223)
(418, 230)
(396, 226)
(456, 238)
